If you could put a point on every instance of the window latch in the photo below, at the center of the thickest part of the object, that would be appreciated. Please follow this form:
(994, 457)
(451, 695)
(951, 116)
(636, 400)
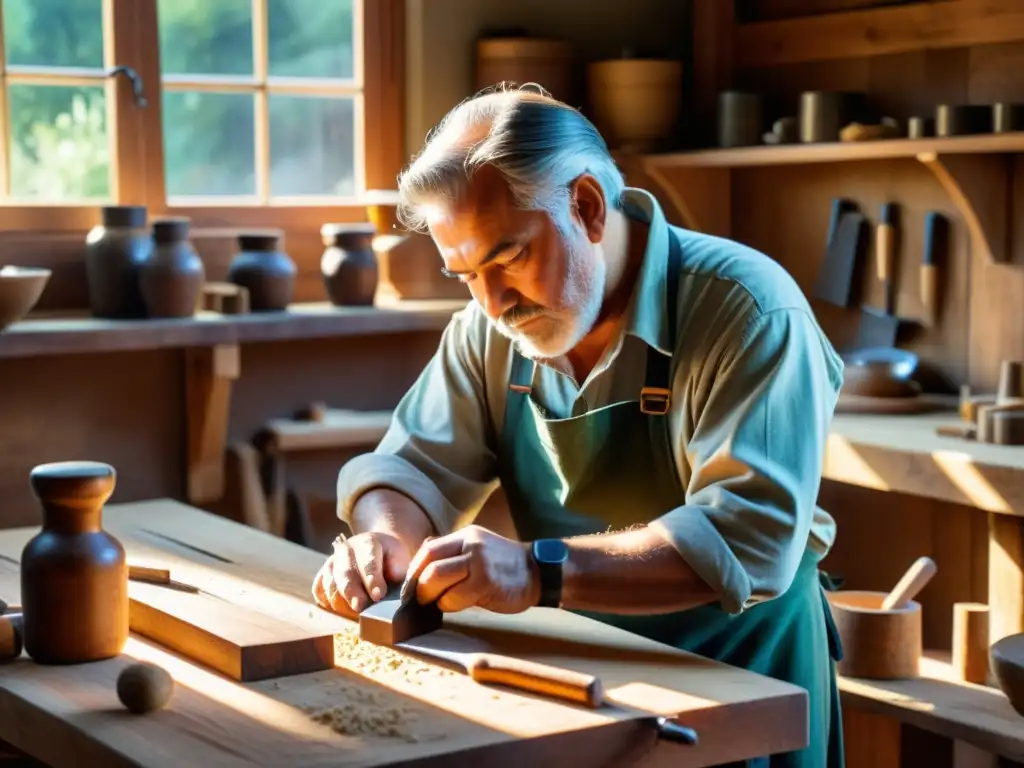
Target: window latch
(133, 77)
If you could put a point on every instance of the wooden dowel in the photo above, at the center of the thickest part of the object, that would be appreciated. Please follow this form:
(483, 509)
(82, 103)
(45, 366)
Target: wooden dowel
(970, 642)
(150, 575)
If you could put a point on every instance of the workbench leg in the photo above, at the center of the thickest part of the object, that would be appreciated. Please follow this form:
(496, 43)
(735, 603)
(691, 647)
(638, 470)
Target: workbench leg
(870, 740)
(1005, 577)
(209, 374)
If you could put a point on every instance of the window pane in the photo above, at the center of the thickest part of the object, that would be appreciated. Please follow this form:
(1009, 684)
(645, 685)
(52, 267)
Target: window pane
(59, 145)
(209, 145)
(54, 33)
(312, 145)
(310, 38)
(205, 37)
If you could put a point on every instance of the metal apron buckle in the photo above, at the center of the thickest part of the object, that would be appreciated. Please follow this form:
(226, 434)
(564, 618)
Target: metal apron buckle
(655, 400)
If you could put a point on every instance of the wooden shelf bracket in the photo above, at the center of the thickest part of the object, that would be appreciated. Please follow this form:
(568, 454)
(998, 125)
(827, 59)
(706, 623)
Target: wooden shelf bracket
(979, 186)
(209, 373)
(694, 198)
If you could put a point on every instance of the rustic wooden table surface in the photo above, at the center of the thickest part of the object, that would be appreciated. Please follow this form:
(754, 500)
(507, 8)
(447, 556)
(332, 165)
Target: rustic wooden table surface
(372, 706)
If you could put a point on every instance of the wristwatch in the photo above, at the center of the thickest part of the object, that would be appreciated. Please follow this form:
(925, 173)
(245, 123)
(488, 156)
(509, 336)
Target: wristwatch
(550, 555)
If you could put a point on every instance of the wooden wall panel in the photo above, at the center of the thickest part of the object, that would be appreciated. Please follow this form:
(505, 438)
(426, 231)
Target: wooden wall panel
(784, 211)
(125, 409)
(896, 529)
(128, 409)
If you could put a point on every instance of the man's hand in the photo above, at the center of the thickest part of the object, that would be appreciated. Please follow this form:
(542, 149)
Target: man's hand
(475, 567)
(359, 571)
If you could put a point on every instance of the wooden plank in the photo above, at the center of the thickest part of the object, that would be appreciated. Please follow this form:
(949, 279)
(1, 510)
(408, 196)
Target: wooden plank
(854, 34)
(737, 714)
(301, 321)
(339, 428)
(937, 702)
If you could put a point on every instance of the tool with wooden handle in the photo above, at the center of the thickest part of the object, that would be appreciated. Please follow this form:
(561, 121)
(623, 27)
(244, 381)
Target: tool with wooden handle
(913, 581)
(936, 233)
(492, 668)
(399, 620)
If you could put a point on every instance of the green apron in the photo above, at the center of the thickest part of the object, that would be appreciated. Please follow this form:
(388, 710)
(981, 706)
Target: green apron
(613, 468)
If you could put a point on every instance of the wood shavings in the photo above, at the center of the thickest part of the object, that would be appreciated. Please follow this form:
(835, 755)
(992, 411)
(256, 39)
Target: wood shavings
(359, 719)
(376, 660)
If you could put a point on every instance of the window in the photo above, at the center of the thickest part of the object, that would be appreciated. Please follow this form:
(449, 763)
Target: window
(257, 109)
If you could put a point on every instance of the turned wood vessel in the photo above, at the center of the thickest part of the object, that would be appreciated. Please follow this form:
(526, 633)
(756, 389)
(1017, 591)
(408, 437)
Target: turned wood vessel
(115, 251)
(264, 270)
(74, 578)
(172, 279)
(348, 264)
(877, 643)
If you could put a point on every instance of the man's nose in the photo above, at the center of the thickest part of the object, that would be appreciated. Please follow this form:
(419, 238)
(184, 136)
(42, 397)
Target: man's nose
(494, 293)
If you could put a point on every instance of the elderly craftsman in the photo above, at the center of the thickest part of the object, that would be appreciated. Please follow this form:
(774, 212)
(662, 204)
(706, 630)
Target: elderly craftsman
(653, 401)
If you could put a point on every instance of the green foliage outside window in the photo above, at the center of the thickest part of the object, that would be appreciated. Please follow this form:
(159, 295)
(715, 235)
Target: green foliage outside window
(59, 144)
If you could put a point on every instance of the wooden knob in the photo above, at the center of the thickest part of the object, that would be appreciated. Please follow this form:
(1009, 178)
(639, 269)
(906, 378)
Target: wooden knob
(73, 484)
(10, 636)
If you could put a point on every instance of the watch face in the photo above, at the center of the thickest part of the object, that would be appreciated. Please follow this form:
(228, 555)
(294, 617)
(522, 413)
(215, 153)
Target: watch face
(550, 551)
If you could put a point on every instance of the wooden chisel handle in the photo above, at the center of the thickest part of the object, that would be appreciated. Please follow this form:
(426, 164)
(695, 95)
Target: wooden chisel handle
(885, 247)
(929, 289)
(913, 581)
(530, 676)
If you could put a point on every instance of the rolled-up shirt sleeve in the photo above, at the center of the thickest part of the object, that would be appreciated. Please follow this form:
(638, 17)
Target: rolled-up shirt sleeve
(756, 450)
(439, 449)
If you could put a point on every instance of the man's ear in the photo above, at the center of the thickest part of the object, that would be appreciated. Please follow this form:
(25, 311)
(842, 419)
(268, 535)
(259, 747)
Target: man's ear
(589, 206)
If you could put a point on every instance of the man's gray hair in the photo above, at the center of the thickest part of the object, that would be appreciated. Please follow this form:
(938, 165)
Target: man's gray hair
(538, 144)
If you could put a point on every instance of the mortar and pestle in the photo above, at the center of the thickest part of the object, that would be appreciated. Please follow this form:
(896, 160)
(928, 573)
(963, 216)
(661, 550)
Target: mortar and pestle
(881, 631)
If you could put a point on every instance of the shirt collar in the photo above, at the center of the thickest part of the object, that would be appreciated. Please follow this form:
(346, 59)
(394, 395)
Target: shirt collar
(646, 313)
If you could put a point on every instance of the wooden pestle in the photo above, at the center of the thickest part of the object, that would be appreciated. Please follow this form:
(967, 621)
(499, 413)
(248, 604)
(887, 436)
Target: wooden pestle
(913, 581)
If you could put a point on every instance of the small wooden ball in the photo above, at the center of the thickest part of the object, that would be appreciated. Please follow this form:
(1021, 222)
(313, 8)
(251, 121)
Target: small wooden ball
(143, 687)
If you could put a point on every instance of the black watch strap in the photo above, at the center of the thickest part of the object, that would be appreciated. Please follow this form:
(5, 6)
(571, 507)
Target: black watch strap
(550, 555)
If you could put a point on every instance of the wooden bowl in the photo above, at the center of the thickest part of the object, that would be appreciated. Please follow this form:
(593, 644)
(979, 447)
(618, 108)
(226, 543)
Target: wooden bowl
(883, 645)
(20, 289)
(1006, 658)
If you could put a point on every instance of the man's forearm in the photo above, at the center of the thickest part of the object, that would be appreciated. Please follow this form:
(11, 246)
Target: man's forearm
(631, 572)
(388, 511)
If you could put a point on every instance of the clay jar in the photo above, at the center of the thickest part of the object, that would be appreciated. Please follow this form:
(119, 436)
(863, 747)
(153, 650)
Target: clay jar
(173, 277)
(114, 253)
(263, 269)
(74, 577)
(348, 264)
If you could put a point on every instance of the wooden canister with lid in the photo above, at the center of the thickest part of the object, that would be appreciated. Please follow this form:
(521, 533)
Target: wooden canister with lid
(521, 60)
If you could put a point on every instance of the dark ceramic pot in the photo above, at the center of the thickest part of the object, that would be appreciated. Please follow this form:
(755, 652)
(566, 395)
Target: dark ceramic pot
(74, 577)
(348, 264)
(265, 271)
(172, 278)
(114, 253)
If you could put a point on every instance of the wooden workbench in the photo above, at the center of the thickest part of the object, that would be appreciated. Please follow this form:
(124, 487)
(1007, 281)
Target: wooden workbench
(374, 708)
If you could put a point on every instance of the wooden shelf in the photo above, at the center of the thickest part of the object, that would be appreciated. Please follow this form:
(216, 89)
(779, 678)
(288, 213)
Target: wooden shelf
(837, 152)
(971, 169)
(71, 335)
(904, 454)
(939, 703)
